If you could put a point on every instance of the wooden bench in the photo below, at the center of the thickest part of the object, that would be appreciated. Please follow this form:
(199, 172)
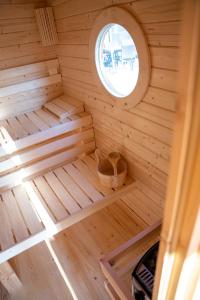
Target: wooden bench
(39, 208)
(36, 141)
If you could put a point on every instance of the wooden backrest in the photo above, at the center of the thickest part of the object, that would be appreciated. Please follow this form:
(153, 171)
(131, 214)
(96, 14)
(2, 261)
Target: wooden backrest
(28, 87)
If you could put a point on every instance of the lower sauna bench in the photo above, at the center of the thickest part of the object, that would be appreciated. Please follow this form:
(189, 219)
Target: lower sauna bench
(41, 207)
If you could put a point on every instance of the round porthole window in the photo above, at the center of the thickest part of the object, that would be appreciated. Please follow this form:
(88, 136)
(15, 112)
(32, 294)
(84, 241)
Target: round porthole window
(119, 57)
(117, 60)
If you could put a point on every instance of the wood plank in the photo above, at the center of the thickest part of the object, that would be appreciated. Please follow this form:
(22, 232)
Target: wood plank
(27, 124)
(50, 198)
(142, 124)
(79, 51)
(30, 85)
(164, 28)
(139, 206)
(33, 222)
(9, 278)
(72, 187)
(91, 177)
(64, 105)
(7, 131)
(56, 110)
(80, 22)
(164, 79)
(146, 11)
(22, 11)
(83, 183)
(40, 205)
(69, 203)
(155, 197)
(62, 109)
(6, 236)
(12, 39)
(161, 98)
(41, 125)
(17, 128)
(165, 58)
(125, 133)
(18, 226)
(19, 74)
(49, 119)
(18, 25)
(149, 12)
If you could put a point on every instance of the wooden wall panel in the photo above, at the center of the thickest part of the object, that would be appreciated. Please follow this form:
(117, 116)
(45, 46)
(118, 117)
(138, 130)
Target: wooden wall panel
(19, 37)
(144, 133)
(20, 45)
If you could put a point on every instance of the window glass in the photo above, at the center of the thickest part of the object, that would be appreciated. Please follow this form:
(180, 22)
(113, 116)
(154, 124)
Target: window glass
(117, 60)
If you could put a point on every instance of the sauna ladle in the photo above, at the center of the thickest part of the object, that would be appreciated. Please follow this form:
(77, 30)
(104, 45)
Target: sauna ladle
(113, 158)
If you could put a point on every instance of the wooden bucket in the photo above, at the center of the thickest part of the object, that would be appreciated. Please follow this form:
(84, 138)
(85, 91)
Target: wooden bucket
(111, 171)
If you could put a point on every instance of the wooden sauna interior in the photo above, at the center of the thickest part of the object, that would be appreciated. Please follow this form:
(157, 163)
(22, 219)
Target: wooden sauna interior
(56, 219)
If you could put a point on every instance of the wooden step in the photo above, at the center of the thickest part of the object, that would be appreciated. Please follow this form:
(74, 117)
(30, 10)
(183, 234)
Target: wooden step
(39, 167)
(37, 132)
(42, 151)
(36, 141)
(39, 208)
(61, 107)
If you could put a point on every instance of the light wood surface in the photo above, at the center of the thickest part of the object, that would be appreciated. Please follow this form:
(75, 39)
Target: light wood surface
(38, 140)
(9, 279)
(29, 77)
(78, 250)
(152, 120)
(40, 135)
(19, 37)
(178, 271)
(40, 276)
(118, 264)
(62, 109)
(42, 207)
(3, 293)
(26, 87)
